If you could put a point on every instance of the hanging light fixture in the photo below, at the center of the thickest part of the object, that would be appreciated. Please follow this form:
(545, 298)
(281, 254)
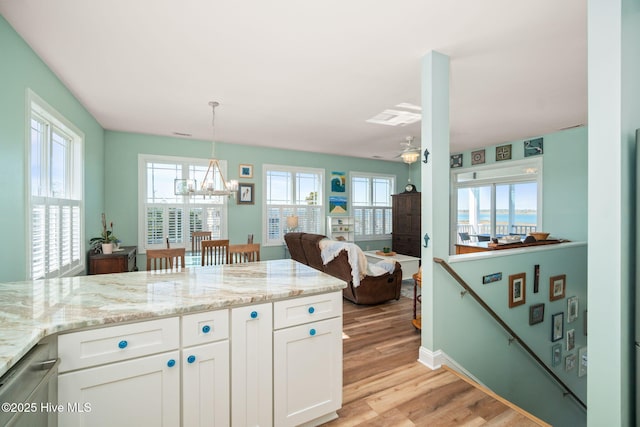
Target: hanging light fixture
(410, 153)
(409, 157)
(208, 186)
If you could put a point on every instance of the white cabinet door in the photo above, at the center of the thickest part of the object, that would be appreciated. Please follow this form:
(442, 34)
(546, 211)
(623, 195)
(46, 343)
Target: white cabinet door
(307, 371)
(205, 385)
(251, 370)
(138, 392)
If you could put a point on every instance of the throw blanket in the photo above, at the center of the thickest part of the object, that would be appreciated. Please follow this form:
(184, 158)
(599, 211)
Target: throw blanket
(329, 249)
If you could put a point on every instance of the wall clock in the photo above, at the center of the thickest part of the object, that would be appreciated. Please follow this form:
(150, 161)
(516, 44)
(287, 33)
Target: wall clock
(477, 157)
(456, 161)
(503, 152)
(533, 147)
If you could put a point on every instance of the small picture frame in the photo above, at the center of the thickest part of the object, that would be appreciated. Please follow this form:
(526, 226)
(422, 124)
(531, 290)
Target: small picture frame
(245, 170)
(456, 161)
(536, 314)
(557, 285)
(490, 278)
(570, 362)
(503, 152)
(246, 194)
(582, 361)
(477, 157)
(517, 289)
(557, 326)
(572, 309)
(556, 354)
(571, 339)
(533, 147)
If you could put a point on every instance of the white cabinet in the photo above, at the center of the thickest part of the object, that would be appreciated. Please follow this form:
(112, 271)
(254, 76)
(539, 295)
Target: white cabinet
(118, 382)
(307, 355)
(205, 385)
(341, 227)
(205, 369)
(251, 370)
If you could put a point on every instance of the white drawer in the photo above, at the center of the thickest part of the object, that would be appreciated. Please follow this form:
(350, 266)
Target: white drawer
(202, 328)
(297, 311)
(114, 343)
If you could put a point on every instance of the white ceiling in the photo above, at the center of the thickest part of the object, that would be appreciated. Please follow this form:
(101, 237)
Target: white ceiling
(307, 74)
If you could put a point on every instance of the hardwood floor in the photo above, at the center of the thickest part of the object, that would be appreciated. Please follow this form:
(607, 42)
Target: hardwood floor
(384, 385)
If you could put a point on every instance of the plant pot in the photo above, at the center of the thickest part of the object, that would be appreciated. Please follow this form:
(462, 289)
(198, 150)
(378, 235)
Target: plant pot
(107, 248)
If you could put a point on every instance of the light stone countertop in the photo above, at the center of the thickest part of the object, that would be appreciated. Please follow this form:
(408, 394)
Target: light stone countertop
(32, 310)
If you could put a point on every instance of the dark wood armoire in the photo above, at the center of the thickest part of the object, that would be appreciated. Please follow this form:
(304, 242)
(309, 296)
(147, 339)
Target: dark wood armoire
(406, 223)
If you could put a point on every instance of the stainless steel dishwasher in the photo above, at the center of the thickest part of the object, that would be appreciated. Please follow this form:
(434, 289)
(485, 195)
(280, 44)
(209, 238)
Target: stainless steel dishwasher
(28, 391)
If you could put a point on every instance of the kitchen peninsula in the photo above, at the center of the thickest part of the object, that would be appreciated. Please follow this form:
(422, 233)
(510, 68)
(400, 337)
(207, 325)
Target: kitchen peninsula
(291, 312)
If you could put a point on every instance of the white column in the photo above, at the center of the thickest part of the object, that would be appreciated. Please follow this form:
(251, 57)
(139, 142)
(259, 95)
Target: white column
(435, 198)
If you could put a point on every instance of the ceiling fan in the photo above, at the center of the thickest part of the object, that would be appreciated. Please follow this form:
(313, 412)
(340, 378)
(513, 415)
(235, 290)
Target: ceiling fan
(410, 152)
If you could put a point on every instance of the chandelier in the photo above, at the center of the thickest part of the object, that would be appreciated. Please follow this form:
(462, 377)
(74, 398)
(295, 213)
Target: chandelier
(210, 186)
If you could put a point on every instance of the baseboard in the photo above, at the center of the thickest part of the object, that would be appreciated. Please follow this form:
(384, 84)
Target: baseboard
(435, 359)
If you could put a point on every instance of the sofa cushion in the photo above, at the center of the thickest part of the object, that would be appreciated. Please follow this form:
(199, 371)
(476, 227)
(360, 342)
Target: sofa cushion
(311, 250)
(295, 247)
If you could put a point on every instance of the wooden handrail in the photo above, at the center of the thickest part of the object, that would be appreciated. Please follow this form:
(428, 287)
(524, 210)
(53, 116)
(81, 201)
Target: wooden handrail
(506, 327)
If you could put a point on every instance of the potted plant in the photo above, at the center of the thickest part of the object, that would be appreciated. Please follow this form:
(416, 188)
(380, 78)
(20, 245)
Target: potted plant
(105, 242)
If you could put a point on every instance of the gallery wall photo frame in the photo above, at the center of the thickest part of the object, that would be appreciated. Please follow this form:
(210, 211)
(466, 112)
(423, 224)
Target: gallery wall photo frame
(572, 309)
(517, 289)
(571, 339)
(456, 161)
(556, 354)
(536, 313)
(503, 152)
(557, 286)
(477, 157)
(245, 170)
(557, 326)
(246, 194)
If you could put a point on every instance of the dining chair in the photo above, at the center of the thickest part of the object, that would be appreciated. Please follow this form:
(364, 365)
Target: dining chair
(214, 252)
(165, 259)
(249, 252)
(197, 237)
(464, 237)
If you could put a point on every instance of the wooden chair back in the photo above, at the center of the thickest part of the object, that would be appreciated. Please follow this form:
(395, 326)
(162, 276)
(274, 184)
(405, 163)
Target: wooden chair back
(249, 252)
(165, 259)
(215, 252)
(196, 239)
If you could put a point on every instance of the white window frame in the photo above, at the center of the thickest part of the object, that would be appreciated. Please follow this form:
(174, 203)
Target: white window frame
(385, 217)
(187, 202)
(291, 209)
(69, 261)
(534, 165)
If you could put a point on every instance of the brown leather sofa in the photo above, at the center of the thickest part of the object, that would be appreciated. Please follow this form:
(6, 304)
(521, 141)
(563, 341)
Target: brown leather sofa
(304, 248)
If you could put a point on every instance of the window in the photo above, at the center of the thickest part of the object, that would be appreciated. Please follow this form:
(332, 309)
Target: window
(292, 191)
(371, 205)
(166, 215)
(498, 200)
(55, 204)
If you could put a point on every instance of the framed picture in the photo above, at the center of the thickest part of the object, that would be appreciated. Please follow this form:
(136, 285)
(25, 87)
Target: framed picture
(557, 326)
(533, 147)
(246, 171)
(245, 194)
(477, 157)
(582, 362)
(557, 285)
(338, 180)
(585, 322)
(571, 339)
(572, 309)
(556, 354)
(182, 187)
(503, 152)
(570, 362)
(456, 161)
(536, 314)
(517, 289)
(490, 278)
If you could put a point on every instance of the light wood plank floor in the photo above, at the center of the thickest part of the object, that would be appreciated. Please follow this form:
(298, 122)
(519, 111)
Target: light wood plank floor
(384, 385)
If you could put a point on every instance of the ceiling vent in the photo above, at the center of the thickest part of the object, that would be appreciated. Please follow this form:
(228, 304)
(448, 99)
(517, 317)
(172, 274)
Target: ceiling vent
(395, 118)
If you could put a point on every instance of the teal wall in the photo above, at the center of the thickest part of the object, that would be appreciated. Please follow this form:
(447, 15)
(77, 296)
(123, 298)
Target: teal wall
(21, 68)
(564, 180)
(122, 176)
(467, 334)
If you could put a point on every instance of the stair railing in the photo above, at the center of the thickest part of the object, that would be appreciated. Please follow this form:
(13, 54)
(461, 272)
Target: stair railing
(514, 335)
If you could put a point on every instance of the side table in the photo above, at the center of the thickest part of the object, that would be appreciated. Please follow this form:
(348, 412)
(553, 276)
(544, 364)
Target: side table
(417, 283)
(120, 261)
